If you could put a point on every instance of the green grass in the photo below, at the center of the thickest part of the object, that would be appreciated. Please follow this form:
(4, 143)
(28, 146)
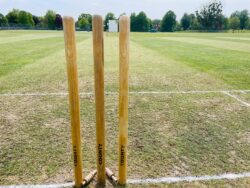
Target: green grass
(169, 134)
(227, 61)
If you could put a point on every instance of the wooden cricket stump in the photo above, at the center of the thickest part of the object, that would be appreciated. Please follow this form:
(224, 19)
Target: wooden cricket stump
(124, 26)
(98, 52)
(74, 101)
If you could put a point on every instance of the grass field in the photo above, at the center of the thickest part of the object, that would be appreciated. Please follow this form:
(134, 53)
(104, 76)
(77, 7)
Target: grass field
(170, 134)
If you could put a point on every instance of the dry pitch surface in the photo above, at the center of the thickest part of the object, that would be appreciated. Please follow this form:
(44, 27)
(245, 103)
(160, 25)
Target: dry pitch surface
(173, 129)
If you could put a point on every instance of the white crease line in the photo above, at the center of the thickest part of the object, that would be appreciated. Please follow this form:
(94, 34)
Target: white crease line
(39, 94)
(239, 100)
(230, 176)
(131, 92)
(40, 186)
(187, 92)
(188, 178)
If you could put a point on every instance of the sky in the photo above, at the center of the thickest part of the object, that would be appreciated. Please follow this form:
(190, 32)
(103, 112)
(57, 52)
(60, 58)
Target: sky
(155, 9)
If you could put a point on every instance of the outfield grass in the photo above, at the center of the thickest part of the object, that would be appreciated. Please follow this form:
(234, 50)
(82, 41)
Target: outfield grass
(169, 134)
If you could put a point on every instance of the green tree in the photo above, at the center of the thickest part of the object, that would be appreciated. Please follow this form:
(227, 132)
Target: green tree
(84, 24)
(223, 22)
(109, 16)
(133, 25)
(210, 15)
(186, 21)
(168, 22)
(12, 17)
(244, 19)
(142, 22)
(234, 23)
(49, 19)
(156, 24)
(25, 19)
(3, 20)
(192, 16)
(36, 20)
(235, 14)
(89, 19)
(31, 21)
(42, 23)
(178, 26)
(150, 24)
(58, 21)
(195, 24)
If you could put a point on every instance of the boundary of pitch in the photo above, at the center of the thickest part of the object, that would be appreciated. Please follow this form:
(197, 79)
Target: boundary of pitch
(163, 180)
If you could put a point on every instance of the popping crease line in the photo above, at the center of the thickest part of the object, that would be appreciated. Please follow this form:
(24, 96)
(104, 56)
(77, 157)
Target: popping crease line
(131, 92)
(230, 176)
(166, 180)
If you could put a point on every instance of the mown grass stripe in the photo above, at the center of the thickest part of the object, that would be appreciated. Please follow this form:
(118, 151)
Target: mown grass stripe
(228, 66)
(237, 46)
(29, 53)
(8, 40)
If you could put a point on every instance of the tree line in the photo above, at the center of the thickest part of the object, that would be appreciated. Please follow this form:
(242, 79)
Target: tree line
(209, 18)
(20, 18)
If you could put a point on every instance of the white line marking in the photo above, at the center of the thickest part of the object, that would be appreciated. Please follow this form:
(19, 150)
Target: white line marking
(241, 101)
(131, 92)
(179, 179)
(33, 94)
(189, 178)
(40, 186)
(187, 92)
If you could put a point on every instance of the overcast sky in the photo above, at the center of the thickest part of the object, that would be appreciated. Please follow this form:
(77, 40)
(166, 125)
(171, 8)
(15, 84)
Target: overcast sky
(153, 8)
